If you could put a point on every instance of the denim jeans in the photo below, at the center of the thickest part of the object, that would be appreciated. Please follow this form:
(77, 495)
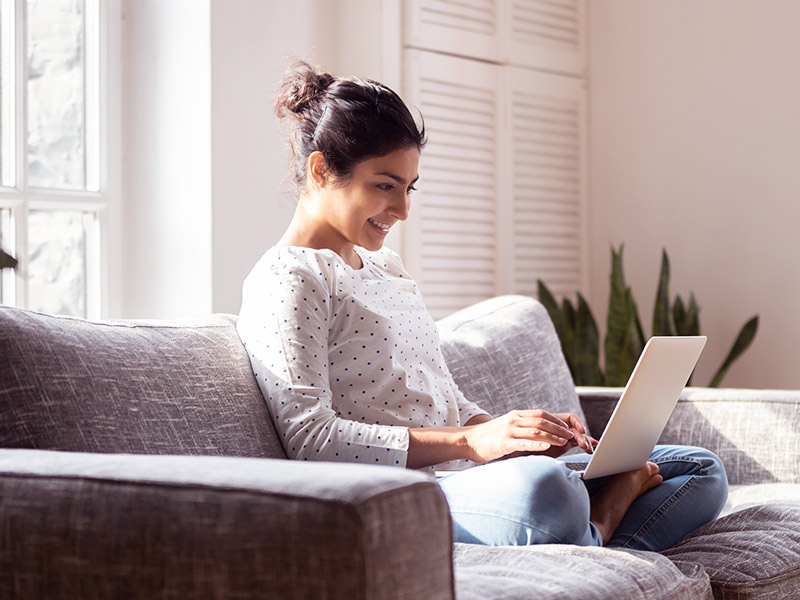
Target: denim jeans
(539, 500)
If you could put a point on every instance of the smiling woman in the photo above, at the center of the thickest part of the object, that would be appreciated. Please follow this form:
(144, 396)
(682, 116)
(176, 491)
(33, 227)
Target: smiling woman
(339, 216)
(348, 358)
(355, 151)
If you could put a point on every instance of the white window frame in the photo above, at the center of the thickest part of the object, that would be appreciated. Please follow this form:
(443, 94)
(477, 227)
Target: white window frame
(103, 145)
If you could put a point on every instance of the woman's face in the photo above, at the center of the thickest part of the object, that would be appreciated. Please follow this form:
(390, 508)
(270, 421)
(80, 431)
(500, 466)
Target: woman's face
(362, 211)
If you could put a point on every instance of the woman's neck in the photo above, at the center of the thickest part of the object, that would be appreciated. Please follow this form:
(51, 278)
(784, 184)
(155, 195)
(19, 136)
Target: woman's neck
(307, 232)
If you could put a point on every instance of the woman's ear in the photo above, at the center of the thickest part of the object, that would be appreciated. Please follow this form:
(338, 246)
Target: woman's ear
(316, 169)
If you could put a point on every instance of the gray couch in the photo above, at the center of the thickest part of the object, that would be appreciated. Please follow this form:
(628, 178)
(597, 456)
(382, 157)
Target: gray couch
(139, 460)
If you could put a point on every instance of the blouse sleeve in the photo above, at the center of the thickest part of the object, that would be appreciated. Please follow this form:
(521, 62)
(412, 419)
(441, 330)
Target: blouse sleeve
(284, 324)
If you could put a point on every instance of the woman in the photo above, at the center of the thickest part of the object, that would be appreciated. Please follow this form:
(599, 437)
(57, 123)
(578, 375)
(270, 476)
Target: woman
(348, 357)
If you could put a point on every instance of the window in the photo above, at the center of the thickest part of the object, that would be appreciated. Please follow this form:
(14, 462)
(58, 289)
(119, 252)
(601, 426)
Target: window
(53, 201)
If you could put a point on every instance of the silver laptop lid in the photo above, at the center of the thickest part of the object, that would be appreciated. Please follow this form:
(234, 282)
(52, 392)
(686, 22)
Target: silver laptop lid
(646, 404)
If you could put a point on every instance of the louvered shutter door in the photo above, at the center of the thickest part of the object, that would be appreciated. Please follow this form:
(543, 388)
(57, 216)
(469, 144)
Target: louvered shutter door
(451, 238)
(464, 27)
(547, 133)
(546, 34)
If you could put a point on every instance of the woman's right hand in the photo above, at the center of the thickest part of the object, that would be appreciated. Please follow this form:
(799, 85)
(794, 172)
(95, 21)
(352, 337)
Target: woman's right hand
(516, 431)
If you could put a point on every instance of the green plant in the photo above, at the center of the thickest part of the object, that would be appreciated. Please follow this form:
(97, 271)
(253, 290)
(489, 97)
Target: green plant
(7, 261)
(625, 339)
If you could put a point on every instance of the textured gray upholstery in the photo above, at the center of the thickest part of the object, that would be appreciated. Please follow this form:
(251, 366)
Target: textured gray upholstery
(753, 553)
(146, 387)
(553, 571)
(79, 524)
(75, 525)
(504, 354)
(740, 426)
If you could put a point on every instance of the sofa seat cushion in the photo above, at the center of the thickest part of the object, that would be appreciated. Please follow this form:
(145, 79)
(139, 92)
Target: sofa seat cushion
(504, 354)
(751, 553)
(140, 387)
(746, 496)
(561, 571)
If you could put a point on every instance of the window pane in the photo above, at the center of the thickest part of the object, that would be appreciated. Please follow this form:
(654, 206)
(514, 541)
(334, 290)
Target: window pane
(6, 243)
(7, 94)
(57, 262)
(56, 103)
(3, 125)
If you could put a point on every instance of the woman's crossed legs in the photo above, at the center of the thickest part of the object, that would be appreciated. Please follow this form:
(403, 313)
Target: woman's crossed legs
(539, 500)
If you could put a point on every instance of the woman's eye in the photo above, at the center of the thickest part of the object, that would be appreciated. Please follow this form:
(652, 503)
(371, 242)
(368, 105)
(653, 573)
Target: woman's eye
(411, 189)
(386, 187)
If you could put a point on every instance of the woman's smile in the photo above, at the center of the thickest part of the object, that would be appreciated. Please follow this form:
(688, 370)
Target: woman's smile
(379, 227)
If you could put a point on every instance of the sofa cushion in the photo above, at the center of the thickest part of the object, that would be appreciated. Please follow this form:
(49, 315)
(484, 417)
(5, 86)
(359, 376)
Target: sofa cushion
(746, 496)
(91, 526)
(752, 553)
(504, 354)
(560, 571)
(740, 426)
(143, 387)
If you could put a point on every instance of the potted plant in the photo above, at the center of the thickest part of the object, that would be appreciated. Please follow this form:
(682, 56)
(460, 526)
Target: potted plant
(625, 339)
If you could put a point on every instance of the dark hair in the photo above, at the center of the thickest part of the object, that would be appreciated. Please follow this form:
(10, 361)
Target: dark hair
(349, 120)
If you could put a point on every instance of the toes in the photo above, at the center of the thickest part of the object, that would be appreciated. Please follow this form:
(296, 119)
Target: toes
(654, 481)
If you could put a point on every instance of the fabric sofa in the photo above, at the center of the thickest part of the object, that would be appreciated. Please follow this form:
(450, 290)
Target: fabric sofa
(138, 460)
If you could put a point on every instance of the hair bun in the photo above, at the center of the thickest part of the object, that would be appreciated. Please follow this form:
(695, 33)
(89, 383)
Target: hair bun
(302, 86)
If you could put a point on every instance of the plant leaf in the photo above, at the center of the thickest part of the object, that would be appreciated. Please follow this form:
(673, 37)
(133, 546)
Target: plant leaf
(692, 317)
(679, 315)
(549, 302)
(743, 341)
(559, 322)
(617, 318)
(7, 261)
(663, 319)
(686, 321)
(634, 341)
(568, 341)
(587, 346)
(624, 333)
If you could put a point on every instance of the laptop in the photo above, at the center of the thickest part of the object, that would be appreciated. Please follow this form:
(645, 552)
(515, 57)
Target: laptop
(645, 406)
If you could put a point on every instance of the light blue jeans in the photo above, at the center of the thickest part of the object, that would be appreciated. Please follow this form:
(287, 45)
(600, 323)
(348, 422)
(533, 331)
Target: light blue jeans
(539, 500)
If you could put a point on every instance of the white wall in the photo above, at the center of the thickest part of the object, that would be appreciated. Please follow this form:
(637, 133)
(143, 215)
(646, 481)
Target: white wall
(207, 187)
(252, 44)
(166, 158)
(695, 146)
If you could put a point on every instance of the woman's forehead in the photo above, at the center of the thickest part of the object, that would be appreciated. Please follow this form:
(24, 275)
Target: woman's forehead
(401, 163)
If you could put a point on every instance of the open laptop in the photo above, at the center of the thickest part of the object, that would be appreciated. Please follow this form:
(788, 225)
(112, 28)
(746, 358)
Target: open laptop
(646, 405)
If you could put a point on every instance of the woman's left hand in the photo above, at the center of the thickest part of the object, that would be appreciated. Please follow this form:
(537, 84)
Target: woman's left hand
(581, 438)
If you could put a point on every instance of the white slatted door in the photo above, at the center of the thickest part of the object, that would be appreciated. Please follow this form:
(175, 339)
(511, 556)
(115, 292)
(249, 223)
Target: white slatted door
(545, 34)
(463, 27)
(548, 212)
(451, 244)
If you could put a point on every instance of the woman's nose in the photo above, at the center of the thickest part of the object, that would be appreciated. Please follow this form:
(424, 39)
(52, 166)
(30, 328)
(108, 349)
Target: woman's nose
(400, 209)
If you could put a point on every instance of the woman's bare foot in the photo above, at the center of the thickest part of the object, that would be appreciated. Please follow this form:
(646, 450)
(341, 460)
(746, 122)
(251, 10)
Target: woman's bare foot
(612, 502)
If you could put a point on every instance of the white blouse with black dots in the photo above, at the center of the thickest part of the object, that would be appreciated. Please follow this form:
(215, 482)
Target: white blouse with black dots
(347, 359)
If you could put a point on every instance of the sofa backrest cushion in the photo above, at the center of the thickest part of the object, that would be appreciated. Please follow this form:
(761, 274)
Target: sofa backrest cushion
(504, 354)
(144, 387)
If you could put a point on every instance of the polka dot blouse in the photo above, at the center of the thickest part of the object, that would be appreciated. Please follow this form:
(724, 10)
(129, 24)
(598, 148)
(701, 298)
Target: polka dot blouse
(347, 359)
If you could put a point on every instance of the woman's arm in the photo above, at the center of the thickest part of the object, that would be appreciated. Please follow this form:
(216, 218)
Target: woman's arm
(484, 439)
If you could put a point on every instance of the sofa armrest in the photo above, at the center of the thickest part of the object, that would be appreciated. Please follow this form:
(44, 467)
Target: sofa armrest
(78, 525)
(756, 433)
